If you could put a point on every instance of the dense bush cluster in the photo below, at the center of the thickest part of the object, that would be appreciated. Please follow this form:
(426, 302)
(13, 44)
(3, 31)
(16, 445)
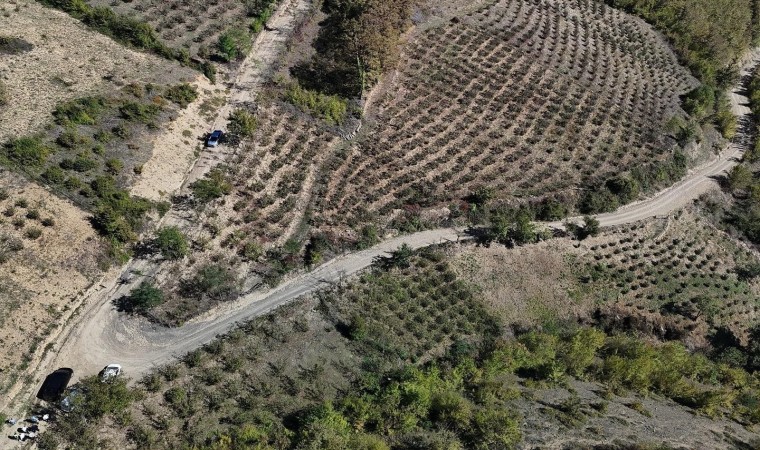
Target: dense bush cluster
(95, 401)
(234, 44)
(330, 108)
(181, 94)
(623, 362)
(357, 42)
(80, 155)
(743, 181)
(709, 35)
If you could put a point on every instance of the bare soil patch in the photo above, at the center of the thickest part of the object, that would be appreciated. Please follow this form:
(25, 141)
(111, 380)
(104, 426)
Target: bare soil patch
(68, 61)
(175, 147)
(42, 277)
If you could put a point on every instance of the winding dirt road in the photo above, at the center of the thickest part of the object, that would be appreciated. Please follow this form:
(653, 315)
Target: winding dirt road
(102, 335)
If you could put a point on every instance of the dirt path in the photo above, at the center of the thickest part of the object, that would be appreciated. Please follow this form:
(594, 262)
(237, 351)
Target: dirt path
(252, 74)
(173, 164)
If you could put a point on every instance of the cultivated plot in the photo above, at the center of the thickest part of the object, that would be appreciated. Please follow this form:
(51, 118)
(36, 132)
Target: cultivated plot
(533, 98)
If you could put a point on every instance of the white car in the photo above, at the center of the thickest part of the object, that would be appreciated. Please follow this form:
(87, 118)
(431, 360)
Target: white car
(110, 371)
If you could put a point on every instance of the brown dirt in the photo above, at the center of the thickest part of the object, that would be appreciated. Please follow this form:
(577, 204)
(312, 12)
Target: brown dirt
(49, 274)
(68, 61)
(175, 148)
(525, 286)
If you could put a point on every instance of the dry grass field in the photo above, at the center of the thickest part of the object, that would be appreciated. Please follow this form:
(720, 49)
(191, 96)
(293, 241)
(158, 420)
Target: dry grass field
(676, 278)
(533, 98)
(67, 61)
(49, 255)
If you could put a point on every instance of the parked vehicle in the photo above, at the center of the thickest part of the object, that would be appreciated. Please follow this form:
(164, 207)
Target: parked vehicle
(214, 138)
(55, 384)
(110, 371)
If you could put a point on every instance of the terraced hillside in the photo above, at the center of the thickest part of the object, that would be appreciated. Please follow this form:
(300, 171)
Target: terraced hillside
(676, 278)
(533, 98)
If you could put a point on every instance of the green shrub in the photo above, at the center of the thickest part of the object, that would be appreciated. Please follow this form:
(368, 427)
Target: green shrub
(114, 166)
(82, 111)
(100, 398)
(241, 123)
(117, 214)
(80, 164)
(209, 70)
(357, 328)
(700, 102)
(73, 183)
(54, 175)
(727, 123)
(138, 112)
(331, 108)
(144, 297)
(28, 151)
(33, 233)
(211, 281)
(171, 242)
(251, 251)
(70, 138)
(213, 186)
(234, 44)
(182, 94)
(103, 136)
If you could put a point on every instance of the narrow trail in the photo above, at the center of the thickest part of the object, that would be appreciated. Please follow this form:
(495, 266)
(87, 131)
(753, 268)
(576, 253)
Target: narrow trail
(102, 335)
(253, 72)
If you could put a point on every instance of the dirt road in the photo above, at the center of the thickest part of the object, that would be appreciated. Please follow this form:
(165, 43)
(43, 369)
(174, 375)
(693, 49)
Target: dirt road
(102, 335)
(700, 179)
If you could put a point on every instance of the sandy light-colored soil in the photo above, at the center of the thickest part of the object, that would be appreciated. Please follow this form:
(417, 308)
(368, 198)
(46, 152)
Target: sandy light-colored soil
(68, 61)
(174, 149)
(174, 164)
(40, 285)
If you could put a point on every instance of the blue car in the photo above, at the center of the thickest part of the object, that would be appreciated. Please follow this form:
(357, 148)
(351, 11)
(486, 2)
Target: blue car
(214, 138)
